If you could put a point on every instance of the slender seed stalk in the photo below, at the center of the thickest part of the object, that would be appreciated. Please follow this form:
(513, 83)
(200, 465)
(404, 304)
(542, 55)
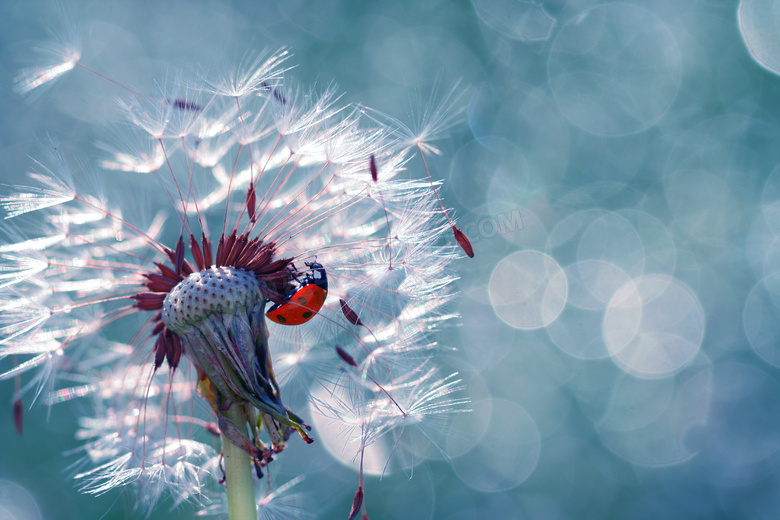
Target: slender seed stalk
(238, 473)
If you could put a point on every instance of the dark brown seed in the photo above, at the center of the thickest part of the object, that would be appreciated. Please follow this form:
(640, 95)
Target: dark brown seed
(185, 104)
(277, 95)
(346, 357)
(463, 242)
(357, 504)
(373, 168)
(18, 415)
(351, 315)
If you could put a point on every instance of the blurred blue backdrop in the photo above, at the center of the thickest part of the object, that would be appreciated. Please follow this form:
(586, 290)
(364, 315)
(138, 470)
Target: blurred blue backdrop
(617, 169)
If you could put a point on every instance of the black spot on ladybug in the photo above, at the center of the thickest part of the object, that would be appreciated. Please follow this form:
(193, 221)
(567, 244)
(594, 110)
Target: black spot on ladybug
(280, 318)
(302, 300)
(307, 315)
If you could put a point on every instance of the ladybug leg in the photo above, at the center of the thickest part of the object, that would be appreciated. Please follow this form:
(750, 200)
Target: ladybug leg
(294, 270)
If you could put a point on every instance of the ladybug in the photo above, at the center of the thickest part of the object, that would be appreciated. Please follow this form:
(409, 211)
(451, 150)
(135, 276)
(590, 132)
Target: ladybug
(303, 302)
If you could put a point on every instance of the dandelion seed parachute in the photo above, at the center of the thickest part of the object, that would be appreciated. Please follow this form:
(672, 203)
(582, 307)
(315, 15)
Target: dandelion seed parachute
(260, 177)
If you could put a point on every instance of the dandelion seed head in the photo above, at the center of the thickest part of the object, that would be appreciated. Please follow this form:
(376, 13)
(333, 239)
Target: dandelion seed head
(276, 193)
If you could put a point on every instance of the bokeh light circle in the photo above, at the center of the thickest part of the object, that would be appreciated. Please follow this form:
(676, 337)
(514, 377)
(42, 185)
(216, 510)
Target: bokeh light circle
(508, 457)
(523, 227)
(465, 430)
(592, 283)
(758, 23)
(660, 253)
(615, 69)
(468, 429)
(342, 443)
(703, 204)
(578, 331)
(479, 322)
(740, 444)
(565, 237)
(509, 182)
(637, 402)
(470, 174)
(657, 433)
(537, 128)
(419, 501)
(16, 503)
(761, 317)
(762, 246)
(653, 326)
(539, 392)
(528, 290)
(613, 239)
(517, 20)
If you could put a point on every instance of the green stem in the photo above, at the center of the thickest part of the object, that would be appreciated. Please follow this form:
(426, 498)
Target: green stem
(238, 472)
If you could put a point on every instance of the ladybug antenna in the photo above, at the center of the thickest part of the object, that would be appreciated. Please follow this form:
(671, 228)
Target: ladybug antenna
(375, 177)
(344, 355)
(460, 236)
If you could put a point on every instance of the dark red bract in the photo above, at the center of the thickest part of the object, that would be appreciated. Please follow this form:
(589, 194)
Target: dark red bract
(238, 251)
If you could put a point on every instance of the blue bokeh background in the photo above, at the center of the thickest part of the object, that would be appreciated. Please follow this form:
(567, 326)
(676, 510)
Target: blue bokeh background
(617, 168)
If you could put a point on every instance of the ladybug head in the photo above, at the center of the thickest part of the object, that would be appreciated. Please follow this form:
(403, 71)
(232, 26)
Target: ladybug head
(318, 275)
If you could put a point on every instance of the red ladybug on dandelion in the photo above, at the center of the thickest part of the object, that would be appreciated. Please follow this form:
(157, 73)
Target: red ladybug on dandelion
(302, 303)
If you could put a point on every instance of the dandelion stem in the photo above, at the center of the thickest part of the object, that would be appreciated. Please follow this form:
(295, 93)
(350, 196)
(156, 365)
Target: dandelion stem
(238, 473)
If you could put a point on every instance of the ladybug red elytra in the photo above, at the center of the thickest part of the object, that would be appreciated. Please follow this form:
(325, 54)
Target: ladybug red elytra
(302, 303)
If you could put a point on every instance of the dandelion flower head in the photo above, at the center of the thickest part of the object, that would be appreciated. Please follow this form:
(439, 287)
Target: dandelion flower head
(295, 272)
